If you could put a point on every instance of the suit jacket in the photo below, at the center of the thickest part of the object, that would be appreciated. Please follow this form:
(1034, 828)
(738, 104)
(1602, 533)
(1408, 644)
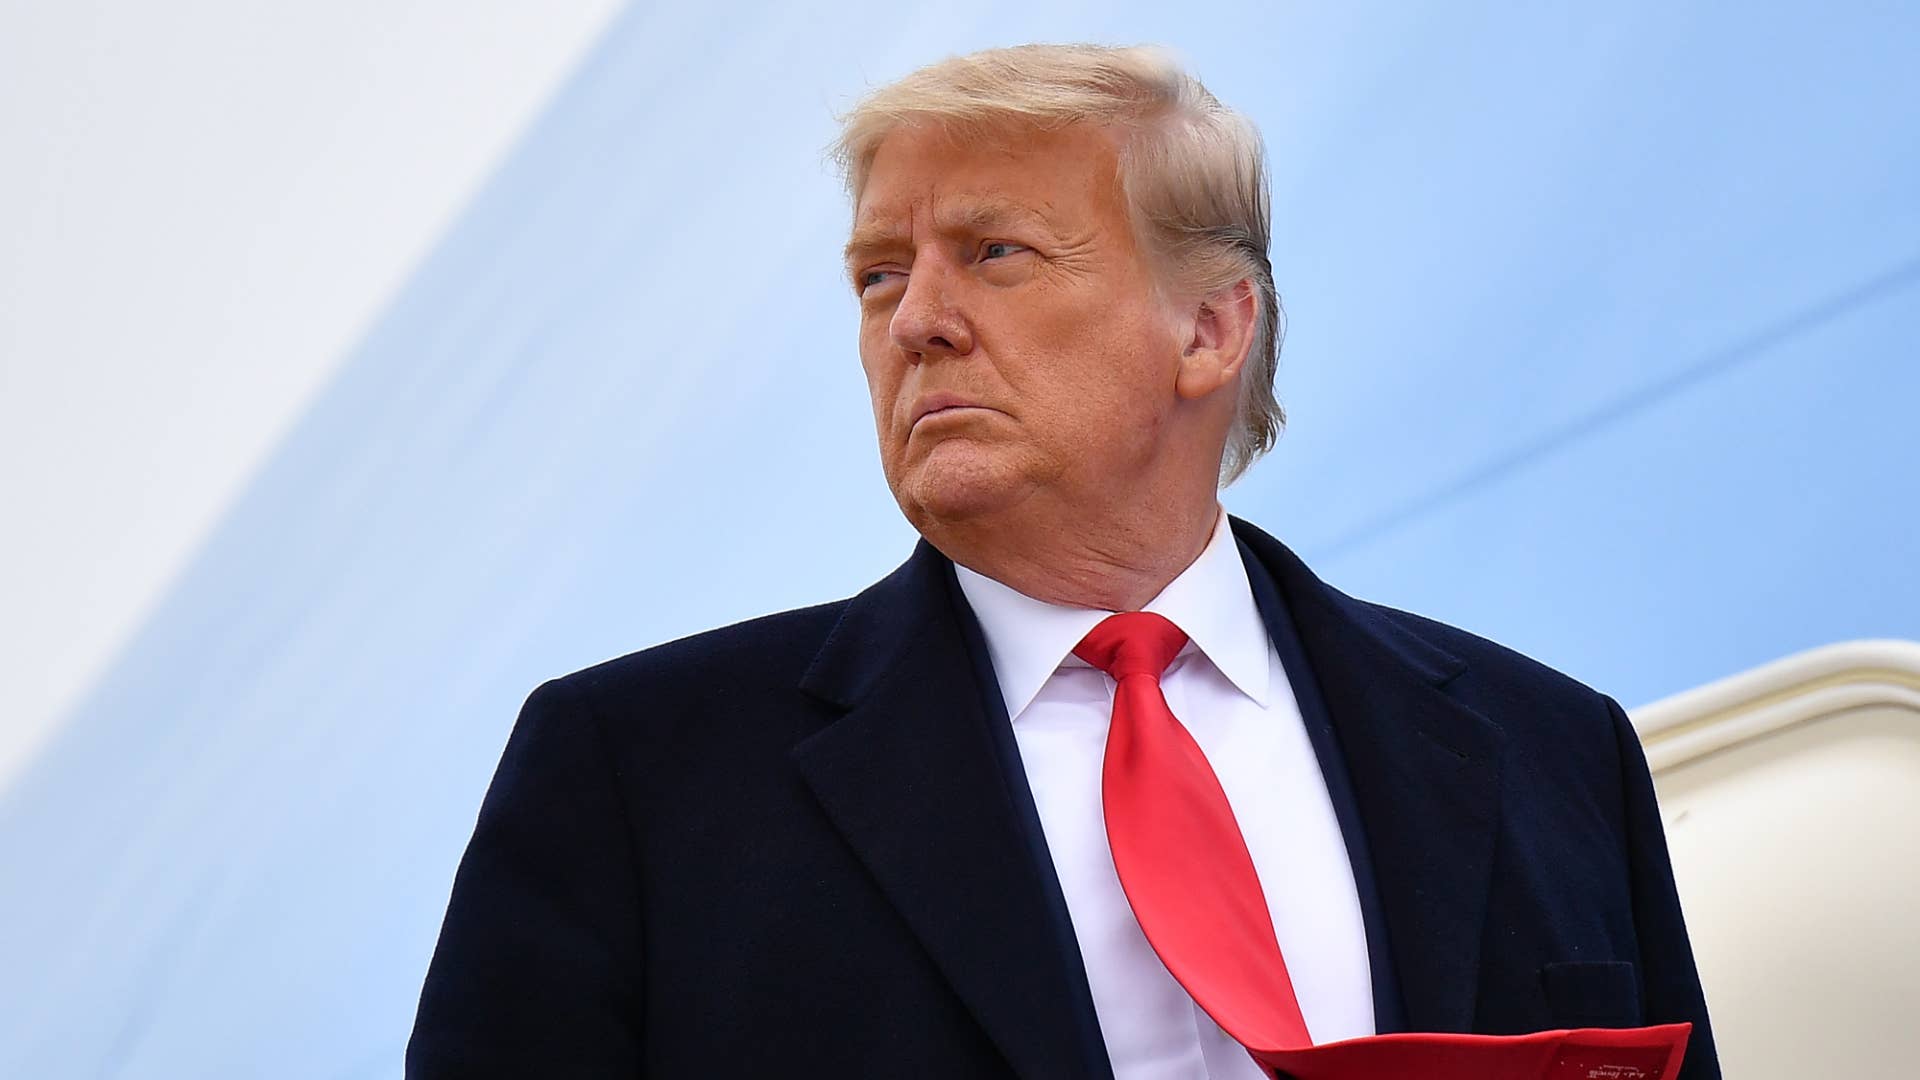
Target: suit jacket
(803, 846)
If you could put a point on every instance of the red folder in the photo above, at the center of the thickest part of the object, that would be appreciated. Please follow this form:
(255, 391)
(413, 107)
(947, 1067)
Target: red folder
(1647, 1053)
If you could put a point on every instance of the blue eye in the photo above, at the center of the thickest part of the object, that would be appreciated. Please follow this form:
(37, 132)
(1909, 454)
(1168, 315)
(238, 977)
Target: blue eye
(998, 249)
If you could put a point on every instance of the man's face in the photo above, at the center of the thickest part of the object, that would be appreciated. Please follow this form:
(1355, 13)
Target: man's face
(1012, 339)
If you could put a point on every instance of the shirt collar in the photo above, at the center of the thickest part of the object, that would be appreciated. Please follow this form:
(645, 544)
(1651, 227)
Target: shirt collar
(1211, 600)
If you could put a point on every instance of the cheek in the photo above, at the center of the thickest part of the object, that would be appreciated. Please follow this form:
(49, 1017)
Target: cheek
(1095, 368)
(883, 380)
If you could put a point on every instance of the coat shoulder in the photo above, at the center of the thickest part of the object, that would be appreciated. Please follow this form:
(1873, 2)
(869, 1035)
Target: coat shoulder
(770, 652)
(1484, 658)
(1527, 699)
(1447, 656)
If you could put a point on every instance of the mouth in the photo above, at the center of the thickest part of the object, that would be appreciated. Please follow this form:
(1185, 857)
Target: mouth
(940, 404)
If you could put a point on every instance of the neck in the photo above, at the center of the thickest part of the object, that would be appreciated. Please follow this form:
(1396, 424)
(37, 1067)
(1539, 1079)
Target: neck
(1113, 562)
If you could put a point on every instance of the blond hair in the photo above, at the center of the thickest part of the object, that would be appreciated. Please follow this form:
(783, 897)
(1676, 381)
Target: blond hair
(1193, 173)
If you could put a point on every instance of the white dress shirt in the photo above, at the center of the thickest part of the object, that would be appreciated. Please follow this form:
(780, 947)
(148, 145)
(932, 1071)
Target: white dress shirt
(1228, 688)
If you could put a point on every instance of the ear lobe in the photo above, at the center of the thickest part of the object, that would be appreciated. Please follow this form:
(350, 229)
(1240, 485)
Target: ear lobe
(1217, 346)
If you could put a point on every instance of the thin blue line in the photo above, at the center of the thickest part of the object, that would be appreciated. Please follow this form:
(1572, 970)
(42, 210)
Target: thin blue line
(1714, 363)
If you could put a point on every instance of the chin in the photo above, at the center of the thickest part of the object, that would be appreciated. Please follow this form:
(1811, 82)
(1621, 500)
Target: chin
(953, 485)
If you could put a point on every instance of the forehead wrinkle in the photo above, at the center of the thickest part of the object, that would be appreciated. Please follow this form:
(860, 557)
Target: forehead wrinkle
(977, 214)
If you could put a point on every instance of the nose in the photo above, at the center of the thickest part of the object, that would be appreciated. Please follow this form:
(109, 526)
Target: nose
(927, 321)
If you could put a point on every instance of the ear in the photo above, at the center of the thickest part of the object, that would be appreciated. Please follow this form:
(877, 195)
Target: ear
(1216, 348)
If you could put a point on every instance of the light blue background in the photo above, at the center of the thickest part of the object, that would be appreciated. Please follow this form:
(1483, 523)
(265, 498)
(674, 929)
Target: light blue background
(1602, 344)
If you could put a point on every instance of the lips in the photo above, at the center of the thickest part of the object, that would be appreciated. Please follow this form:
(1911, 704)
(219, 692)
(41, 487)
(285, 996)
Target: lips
(940, 401)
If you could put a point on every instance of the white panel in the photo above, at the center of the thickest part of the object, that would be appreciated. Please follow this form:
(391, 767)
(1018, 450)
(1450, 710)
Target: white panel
(1791, 796)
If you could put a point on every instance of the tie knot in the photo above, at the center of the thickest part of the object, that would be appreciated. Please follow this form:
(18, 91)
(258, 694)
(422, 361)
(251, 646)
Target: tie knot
(1132, 643)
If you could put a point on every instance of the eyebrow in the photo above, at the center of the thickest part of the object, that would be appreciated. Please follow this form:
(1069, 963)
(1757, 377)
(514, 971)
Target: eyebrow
(980, 215)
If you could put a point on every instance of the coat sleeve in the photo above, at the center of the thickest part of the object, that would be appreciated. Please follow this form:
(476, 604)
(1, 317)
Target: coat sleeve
(1670, 985)
(537, 970)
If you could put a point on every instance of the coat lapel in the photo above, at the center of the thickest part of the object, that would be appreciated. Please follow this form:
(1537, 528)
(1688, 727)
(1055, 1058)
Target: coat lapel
(1426, 773)
(909, 776)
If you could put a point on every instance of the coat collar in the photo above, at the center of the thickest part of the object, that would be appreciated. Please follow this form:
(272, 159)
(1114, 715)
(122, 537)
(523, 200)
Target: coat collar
(909, 776)
(1426, 776)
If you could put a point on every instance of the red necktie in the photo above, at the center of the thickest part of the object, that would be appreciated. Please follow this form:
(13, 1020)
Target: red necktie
(1185, 869)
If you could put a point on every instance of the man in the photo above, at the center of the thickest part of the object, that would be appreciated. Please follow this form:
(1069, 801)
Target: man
(972, 823)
